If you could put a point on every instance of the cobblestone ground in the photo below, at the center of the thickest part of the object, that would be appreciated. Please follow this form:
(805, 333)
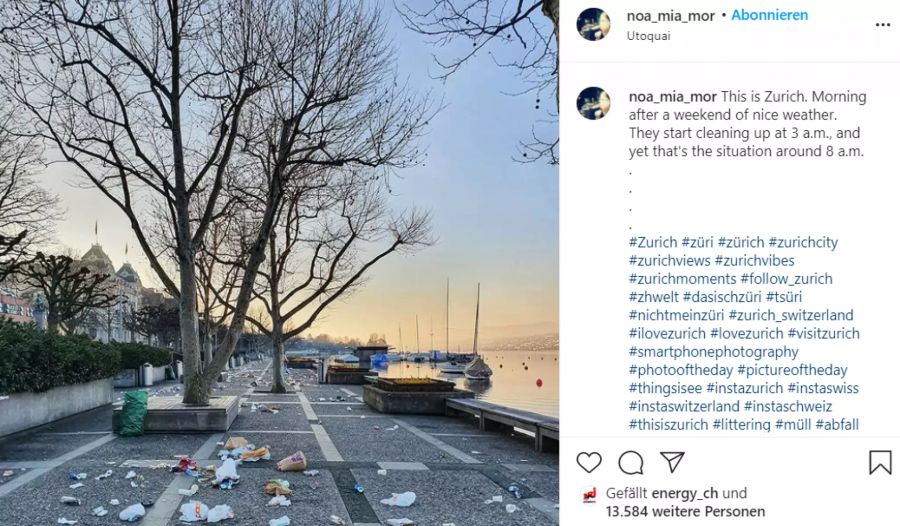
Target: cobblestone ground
(451, 466)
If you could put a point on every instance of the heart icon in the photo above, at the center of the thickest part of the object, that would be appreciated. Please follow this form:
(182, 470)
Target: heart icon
(589, 461)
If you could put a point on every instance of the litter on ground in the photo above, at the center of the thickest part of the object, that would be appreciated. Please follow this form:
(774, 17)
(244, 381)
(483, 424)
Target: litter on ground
(277, 487)
(132, 513)
(279, 500)
(193, 511)
(402, 500)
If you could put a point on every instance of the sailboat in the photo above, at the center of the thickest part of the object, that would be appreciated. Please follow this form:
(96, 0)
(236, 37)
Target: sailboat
(452, 366)
(419, 356)
(477, 370)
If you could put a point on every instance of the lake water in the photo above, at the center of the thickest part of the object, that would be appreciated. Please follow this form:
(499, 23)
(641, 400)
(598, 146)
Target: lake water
(514, 383)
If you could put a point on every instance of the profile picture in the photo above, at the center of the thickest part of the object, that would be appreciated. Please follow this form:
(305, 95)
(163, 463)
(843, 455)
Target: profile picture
(593, 24)
(593, 103)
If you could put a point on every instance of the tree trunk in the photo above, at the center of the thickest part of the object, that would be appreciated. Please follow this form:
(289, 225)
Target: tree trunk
(277, 322)
(207, 352)
(278, 385)
(196, 387)
(52, 323)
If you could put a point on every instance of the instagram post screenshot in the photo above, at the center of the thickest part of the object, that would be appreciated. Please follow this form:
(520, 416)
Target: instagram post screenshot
(448, 262)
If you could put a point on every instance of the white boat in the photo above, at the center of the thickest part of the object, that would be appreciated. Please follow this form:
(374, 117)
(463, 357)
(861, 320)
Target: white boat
(453, 368)
(477, 370)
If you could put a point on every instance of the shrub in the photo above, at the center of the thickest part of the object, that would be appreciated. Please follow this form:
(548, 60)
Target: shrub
(134, 355)
(36, 361)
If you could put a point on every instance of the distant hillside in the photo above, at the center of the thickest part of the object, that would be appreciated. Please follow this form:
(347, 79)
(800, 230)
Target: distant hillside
(501, 333)
(542, 342)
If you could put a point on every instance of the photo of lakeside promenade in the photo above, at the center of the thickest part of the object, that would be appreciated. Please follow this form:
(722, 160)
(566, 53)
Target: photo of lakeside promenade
(292, 263)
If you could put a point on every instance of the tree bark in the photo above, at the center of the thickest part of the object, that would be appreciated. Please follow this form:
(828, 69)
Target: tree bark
(207, 351)
(278, 385)
(52, 323)
(196, 388)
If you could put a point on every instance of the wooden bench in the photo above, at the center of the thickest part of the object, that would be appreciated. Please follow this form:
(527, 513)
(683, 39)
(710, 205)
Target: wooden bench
(492, 416)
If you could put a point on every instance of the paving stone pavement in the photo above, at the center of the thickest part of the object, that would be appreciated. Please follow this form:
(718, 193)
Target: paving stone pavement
(451, 466)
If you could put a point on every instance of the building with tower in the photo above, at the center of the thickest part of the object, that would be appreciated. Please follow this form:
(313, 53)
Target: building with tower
(110, 323)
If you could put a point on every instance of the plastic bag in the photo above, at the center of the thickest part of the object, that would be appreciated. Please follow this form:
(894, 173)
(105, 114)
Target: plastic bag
(132, 513)
(227, 471)
(295, 462)
(280, 521)
(220, 513)
(402, 500)
(194, 511)
(129, 422)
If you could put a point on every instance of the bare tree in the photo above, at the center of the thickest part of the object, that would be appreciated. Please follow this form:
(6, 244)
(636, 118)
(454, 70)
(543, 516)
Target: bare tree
(376, 339)
(328, 237)
(27, 211)
(158, 323)
(160, 101)
(69, 289)
(516, 35)
(341, 108)
(10, 254)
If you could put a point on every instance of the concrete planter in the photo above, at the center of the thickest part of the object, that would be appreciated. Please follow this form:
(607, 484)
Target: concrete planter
(414, 385)
(26, 410)
(347, 376)
(166, 414)
(412, 403)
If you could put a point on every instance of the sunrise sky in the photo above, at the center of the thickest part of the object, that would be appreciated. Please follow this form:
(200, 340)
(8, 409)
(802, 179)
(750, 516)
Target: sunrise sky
(496, 220)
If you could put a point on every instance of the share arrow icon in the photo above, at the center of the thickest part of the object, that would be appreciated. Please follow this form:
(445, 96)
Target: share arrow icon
(673, 458)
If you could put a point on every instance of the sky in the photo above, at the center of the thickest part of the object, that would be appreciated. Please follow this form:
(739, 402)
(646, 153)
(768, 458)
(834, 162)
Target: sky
(496, 221)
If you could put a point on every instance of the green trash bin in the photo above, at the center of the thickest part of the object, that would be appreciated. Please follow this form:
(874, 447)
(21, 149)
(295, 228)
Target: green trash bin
(129, 422)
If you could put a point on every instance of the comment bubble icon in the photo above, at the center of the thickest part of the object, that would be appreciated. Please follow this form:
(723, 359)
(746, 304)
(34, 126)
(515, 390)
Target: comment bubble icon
(631, 463)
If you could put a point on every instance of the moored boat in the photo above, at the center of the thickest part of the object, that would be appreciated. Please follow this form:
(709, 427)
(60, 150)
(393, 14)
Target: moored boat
(477, 370)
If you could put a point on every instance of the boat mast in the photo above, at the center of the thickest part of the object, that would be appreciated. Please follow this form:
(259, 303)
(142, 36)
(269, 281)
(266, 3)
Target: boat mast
(447, 322)
(418, 349)
(400, 334)
(477, 309)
